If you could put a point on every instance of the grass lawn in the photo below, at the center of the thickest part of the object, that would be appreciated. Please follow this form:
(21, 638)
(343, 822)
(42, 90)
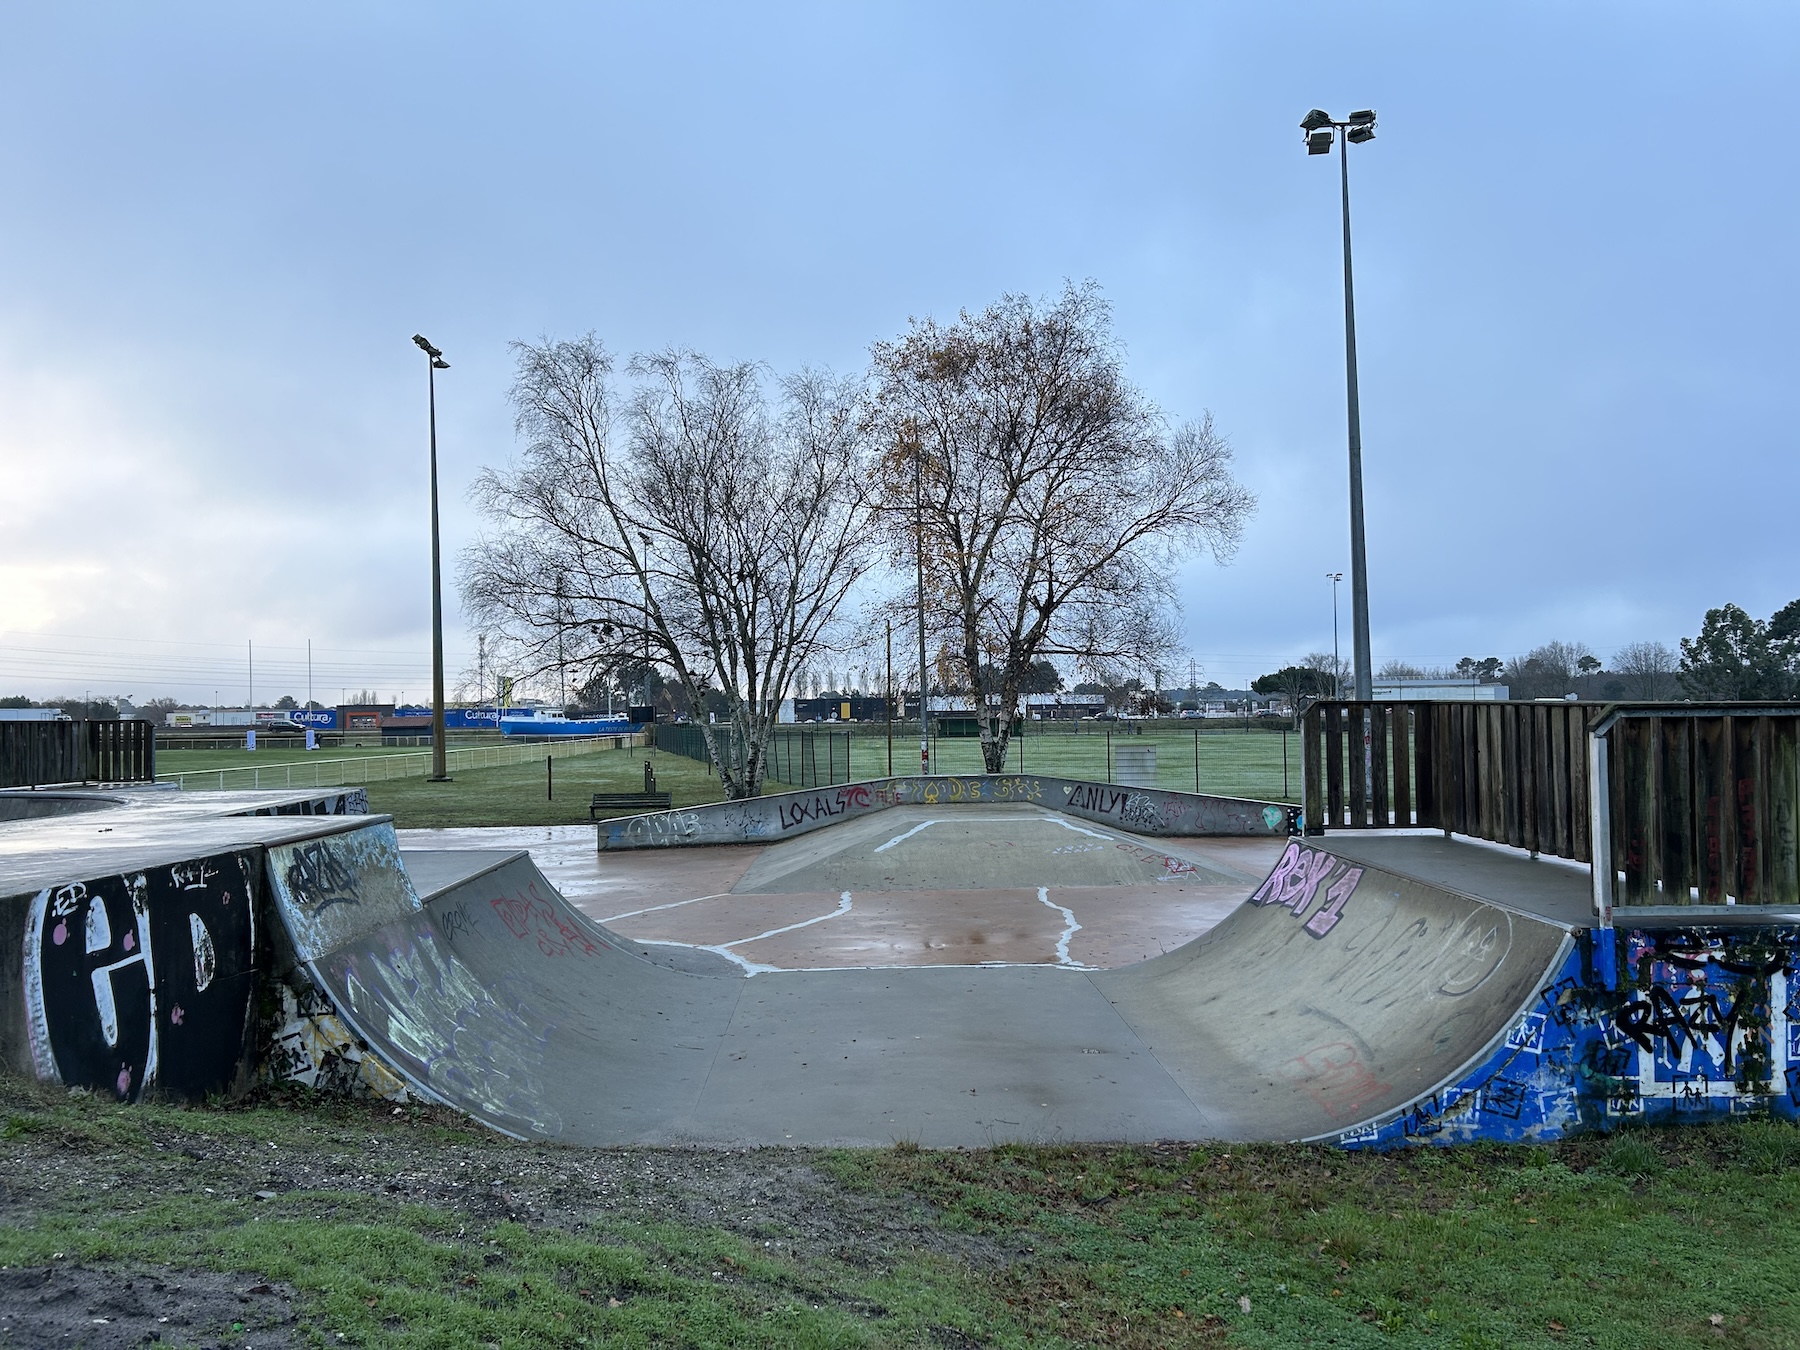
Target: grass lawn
(514, 794)
(1230, 763)
(508, 794)
(1233, 764)
(412, 1228)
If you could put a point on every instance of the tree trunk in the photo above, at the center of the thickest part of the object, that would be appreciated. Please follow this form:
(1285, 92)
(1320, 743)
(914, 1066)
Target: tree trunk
(996, 735)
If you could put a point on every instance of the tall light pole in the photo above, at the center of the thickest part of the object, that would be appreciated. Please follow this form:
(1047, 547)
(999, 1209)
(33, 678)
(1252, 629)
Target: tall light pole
(1337, 662)
(434, 362)
(1319, 128)
(649, 557)
(919, 558)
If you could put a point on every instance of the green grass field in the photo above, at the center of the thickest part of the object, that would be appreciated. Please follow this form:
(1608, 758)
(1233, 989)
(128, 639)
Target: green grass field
(414, 1228)
(510, 794)
(1230, 763)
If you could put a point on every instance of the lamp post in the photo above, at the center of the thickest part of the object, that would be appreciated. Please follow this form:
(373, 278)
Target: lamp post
(1320, 128)
(434, 362)
(1337, 662)
(649, 556)
(919, 558)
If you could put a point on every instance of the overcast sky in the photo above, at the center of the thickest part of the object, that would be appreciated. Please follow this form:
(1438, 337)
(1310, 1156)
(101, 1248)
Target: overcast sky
(220, 227)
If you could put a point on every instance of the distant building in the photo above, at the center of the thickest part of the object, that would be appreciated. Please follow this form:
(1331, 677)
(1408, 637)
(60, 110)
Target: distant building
(836, 708)
(1063, 707)
(1450, 691)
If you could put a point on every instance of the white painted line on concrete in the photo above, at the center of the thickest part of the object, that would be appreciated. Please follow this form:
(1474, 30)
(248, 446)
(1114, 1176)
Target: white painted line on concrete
(758, 968)
(674, 904)
(1070, 929)
(883, 848)
(1070, 825)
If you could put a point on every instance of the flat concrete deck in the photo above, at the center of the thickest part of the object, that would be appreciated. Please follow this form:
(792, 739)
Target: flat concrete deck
(1547, 888)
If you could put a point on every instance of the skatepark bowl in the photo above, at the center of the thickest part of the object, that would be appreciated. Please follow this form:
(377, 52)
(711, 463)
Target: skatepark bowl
(948, 961)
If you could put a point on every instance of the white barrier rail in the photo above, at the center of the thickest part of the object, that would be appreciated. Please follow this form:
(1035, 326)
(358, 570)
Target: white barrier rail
(379, 768)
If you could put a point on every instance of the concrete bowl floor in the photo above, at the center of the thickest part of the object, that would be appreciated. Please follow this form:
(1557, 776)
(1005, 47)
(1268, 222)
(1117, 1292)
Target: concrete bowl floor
(913, 886)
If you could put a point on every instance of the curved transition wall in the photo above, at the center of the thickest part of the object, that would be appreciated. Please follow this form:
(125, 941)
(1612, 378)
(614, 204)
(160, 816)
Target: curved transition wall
(185, 947)
(783, 815)
(1342, 1002)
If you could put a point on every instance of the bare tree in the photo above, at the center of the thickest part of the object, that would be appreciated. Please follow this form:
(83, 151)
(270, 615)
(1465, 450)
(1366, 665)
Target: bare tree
(1400, 670)
(1549, 671)
(1336, 668)
(1648, 669)
(1047, 495)
(688, 526)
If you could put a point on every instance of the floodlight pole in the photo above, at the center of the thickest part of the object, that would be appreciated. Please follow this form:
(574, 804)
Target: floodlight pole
(919, 539)
(1337, 662)
(440, 773)
(1359, 559)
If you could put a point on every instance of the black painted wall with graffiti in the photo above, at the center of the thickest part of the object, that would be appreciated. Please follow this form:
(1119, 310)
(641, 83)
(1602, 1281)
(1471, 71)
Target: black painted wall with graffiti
(138, 985)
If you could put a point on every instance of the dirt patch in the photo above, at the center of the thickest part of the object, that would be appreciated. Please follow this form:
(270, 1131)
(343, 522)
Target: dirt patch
(778, 1198)
(105, 1307)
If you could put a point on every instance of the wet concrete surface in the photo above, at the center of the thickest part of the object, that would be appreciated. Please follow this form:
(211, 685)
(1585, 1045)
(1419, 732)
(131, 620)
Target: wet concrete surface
(911, 887)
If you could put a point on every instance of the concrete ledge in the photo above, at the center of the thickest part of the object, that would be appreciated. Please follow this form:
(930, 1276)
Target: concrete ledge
(1148, 811)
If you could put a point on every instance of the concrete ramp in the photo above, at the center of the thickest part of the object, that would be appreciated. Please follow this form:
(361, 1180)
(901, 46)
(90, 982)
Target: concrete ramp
(1337, 995)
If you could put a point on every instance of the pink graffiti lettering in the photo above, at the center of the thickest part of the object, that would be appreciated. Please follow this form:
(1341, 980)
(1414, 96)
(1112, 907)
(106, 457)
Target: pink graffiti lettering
(1277, 878)
(1295, 882)
(124, 1080)
(60, 933)
(1303, 882)
(1337, 895)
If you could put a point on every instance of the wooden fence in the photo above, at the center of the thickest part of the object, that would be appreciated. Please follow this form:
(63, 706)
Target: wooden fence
(39, 754)
(1515, 773)
(1694, 804)
(1703, 804)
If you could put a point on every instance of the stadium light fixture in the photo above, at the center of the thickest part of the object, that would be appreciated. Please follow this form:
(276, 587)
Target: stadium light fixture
(1317, 128)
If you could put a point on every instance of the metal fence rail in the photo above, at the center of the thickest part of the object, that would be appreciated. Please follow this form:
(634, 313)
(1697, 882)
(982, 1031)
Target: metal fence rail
(381, 768)
(801, 757)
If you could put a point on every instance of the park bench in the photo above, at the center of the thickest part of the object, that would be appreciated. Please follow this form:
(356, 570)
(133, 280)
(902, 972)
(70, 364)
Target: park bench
(629, 801)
